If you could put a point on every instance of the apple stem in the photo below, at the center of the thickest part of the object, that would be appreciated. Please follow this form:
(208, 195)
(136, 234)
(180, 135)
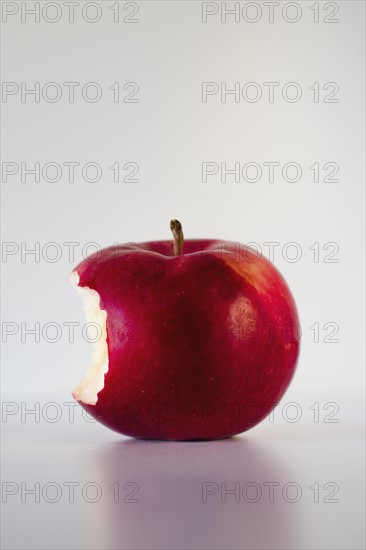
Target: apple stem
(176, 229)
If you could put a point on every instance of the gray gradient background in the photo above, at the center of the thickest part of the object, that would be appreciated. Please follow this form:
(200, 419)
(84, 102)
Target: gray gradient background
(169, 133)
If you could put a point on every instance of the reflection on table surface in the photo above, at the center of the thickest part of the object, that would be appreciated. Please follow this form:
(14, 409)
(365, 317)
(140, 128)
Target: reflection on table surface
(194, 495)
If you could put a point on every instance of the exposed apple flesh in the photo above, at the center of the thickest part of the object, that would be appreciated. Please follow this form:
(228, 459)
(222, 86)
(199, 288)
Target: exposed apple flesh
(87, 391)
(199, 345)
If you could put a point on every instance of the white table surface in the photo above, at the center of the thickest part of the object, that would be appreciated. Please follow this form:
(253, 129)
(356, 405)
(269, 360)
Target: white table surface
(167, 481)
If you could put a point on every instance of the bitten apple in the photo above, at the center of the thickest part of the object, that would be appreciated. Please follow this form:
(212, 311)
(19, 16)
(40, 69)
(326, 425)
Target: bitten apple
(198, 339)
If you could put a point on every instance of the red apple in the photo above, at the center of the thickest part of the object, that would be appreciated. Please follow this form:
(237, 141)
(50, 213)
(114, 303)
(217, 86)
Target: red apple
(198, 341)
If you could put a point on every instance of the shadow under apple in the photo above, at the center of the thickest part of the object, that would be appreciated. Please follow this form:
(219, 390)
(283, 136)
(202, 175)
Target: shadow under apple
(194, 495)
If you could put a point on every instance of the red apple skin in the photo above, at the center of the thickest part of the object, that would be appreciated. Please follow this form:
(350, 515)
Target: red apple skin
(201, 345)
